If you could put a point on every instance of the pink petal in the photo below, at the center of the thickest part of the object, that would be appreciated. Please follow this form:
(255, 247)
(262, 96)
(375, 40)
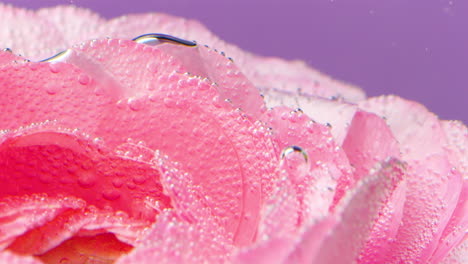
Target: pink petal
(278, 228)
(459, 255)
(326, 162)
(74, 24)
(272, 251)
(307, 248)
(369, 220)
(173, 119)
(7, 57)
(176, 241)
(85, 25)
(433, 187)
(336, 113)
(368, 143)
(33, 37)
(457, 139)
(11, 258)
(123, 60)
(44, 91)
(22, 213)
(296, 76)
(455, 231)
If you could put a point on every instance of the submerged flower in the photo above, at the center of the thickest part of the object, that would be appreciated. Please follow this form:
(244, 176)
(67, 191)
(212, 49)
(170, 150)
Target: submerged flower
(164, 150)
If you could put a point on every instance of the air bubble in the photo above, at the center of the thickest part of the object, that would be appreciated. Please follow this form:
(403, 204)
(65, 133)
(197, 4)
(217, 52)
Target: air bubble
(135, 104)
(87, 180)
(154, 39)
(83, 79)
(111, 195)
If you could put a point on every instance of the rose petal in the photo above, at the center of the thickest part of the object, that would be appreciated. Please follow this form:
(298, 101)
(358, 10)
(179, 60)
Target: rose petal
(455, 231)
(56, 163)
(85, 25)
(124, 61)
(176, 241)
(368, 143)
(307, 248)
(325, 162)
(457, 139)
(22, 213)
(28, 34)
(433, 187)
(369, 220)
(11, 258)
(44, 91)
(335, 113)
(74, 24)
(7, 57)
(164, 122)
(459, 255)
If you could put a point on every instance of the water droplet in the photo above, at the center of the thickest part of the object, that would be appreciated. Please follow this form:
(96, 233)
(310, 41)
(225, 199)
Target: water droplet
(87, 180)
(153, 67)
(139, 179)
(111, 195)
(156, 39)
(45, 178)
(295, 161)
(83, 79)
(60, 57)
(117, 182)
(136, 104)
(294, 149)
(54, 67)
(51, 89)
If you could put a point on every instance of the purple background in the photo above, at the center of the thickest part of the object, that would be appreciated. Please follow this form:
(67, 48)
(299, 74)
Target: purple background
(416, 49)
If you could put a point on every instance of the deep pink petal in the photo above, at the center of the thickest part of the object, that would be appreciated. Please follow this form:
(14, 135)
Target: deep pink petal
(61, 163)
(369, 220)
(433, 186)
(19, 214)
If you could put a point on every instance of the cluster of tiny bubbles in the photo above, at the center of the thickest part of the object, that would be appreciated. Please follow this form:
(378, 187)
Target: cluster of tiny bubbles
(154, 39)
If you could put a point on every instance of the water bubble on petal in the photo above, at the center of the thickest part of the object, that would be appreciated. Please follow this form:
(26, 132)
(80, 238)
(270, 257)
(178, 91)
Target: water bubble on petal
(60, 57)
(54, 67)
(117, 182)
(295, 161)
(111, 194)
(154, 39)
(135, 104)
(87, 179)
(294, 149)
(83, 79)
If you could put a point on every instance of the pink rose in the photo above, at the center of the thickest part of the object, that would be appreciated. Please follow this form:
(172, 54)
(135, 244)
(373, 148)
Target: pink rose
(163, 151)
